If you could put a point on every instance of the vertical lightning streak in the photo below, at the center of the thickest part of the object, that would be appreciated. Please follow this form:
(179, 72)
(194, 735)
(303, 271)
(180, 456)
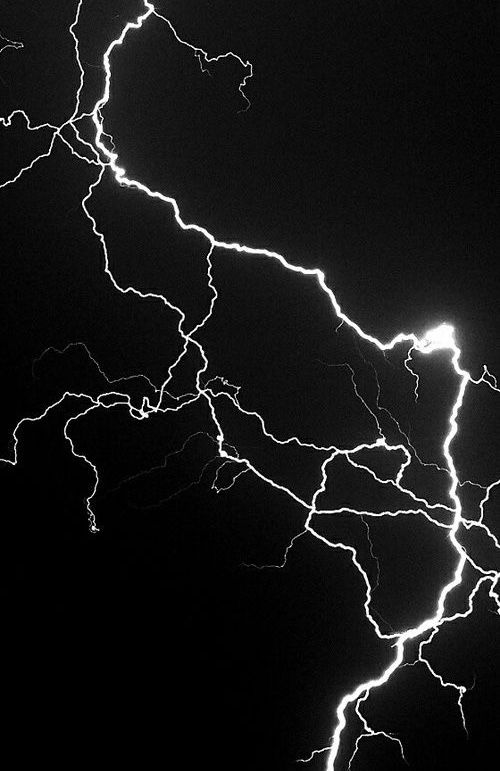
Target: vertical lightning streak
(435, 620)
(440, 338)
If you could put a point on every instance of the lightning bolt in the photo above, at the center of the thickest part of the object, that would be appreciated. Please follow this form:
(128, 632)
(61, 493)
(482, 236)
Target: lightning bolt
(102, 154)
(6, 43)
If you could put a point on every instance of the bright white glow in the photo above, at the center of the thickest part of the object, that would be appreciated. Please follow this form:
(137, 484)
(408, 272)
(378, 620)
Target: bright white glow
(440, 337)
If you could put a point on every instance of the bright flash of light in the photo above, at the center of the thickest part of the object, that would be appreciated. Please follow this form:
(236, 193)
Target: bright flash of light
(102, 154)
(441, 337)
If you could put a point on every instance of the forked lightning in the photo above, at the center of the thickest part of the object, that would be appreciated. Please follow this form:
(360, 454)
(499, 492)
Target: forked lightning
(102, 154)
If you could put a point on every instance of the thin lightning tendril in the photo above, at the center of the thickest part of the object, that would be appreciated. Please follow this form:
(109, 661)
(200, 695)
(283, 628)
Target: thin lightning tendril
(102, 155)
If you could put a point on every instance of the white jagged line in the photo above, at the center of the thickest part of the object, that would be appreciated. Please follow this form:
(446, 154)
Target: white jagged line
(439, 338)
(6, 43)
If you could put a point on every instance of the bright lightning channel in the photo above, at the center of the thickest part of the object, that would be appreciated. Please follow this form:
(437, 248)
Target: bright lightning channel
(103, 156)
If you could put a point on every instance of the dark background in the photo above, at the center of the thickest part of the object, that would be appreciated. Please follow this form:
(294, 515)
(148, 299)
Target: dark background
(368, 151)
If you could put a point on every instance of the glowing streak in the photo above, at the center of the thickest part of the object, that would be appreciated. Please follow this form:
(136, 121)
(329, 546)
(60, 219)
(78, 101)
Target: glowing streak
(368, 731)
(436, 339)
(440, 338)
(6, 43)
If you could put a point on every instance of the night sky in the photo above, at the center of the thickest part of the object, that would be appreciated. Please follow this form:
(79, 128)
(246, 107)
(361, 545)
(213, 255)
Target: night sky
(367, 152)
